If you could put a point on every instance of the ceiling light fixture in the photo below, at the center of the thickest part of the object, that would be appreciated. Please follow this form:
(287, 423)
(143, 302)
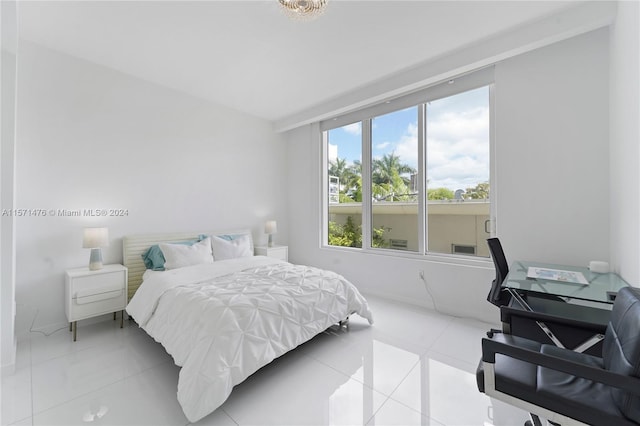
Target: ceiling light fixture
(303, 10)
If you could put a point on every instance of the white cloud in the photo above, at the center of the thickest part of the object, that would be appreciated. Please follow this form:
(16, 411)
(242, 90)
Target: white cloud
(382, 145)
(354, 129)
(460, 125)
(407, 146)
(458, 149)
(332, 152)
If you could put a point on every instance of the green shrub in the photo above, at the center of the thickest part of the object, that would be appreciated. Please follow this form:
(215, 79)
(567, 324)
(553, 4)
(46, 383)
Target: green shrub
(350, 235)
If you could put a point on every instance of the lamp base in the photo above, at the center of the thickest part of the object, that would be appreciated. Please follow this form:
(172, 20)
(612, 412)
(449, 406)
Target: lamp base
(270, 242)
(95, 261)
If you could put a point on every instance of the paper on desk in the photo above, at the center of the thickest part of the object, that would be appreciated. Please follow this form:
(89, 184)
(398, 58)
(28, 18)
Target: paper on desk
(556, 275)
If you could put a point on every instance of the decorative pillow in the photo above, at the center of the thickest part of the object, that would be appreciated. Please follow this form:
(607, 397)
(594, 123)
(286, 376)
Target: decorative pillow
(154, 259)
(180, 255)
(228, 237)
(230, 248)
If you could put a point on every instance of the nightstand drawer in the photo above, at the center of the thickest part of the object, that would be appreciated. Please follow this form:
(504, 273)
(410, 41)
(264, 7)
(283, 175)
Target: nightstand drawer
(276, 252)
(91, 293)
(83, 297)
(98, 303)
(279, 253)
(97, 283)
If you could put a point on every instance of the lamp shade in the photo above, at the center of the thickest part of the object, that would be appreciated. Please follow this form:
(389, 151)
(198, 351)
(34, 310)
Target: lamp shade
(95, 237)
(271, 227)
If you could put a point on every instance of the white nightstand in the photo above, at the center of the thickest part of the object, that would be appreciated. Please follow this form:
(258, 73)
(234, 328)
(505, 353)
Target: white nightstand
(277, 252)
(92, 293)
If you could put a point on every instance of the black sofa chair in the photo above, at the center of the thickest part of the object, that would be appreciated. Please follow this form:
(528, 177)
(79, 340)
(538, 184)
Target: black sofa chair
(567, 387)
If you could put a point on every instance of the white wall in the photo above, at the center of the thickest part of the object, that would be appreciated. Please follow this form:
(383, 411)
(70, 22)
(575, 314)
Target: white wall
(625, 141)
(7, 174)
(89, 137)
(552, 182)
(552, 152)
(578, 18)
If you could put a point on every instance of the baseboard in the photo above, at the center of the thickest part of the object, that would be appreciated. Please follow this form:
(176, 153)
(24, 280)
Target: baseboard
(395, 298)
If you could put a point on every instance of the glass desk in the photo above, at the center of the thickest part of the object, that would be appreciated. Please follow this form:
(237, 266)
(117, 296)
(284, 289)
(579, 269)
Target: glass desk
(599, 288)
(586, 314)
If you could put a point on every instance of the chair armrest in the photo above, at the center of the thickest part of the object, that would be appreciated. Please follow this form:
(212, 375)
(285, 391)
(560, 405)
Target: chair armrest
(509, 346)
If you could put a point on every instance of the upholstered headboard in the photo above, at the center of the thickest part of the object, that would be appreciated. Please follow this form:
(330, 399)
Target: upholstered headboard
(134, 245)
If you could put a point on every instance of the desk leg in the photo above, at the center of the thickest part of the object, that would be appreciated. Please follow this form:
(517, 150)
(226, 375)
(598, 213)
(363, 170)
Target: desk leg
(593, 340)
(584, 346)
(518, 298)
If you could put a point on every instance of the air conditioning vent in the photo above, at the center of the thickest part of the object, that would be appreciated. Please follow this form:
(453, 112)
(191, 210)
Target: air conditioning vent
(463, 249)
(398, 244)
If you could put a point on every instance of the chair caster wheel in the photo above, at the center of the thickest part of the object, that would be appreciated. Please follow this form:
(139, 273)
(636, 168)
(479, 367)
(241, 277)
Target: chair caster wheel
(528, 423)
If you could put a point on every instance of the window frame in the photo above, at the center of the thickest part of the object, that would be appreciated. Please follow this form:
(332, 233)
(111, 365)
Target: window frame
(450, 87)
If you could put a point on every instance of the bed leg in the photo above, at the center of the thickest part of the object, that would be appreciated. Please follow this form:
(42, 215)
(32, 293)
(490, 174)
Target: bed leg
(344, 323)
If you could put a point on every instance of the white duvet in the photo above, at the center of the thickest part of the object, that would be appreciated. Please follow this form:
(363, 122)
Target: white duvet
(223, 321)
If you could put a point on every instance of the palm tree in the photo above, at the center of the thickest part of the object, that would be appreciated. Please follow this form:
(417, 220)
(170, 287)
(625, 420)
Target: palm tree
(390, 179)
(353, 183)
(389, 168)
(337, 168)
(349, 175)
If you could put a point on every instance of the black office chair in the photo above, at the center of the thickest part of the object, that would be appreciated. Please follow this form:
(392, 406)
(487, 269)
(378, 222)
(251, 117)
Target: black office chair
(497, 295)
(567, 387)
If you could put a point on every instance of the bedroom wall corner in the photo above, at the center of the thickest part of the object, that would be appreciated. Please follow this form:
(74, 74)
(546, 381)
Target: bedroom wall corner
(92, 139)
(625, 141)
(7, 184)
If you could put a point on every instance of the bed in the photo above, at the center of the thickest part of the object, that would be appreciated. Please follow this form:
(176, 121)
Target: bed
(222, 313)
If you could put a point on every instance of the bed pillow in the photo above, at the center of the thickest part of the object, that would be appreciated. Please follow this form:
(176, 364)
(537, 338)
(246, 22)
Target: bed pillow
(180, 255)
(154, 259)
(230, 248)
(228, 237)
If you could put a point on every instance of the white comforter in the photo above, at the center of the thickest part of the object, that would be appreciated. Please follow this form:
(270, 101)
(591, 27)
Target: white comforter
(223, 321)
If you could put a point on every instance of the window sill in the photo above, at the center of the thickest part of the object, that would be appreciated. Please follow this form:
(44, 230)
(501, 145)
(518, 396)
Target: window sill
(451, 259)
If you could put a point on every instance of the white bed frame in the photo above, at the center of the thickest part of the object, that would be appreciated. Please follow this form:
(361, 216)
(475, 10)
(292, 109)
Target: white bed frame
(134, 245)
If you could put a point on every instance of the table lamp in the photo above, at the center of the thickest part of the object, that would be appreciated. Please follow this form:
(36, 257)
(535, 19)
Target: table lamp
(95, 239)
(271, 227)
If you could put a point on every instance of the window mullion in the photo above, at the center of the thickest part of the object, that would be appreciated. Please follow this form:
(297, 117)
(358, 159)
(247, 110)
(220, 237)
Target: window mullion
(324, 189)
(366, 184)
(493, 224)
(422, 179)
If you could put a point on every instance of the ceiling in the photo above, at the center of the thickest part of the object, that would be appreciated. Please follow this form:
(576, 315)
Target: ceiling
(248, 56)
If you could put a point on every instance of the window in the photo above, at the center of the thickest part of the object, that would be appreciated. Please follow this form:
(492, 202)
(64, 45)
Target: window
(344, 171)
(458, 173)
(413, 174)
(394, 170)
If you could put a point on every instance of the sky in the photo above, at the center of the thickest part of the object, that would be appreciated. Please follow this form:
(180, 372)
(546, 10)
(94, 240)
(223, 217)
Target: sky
(457, 139)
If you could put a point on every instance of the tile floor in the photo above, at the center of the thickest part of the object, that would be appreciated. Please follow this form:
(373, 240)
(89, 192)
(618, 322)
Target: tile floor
(413, 366)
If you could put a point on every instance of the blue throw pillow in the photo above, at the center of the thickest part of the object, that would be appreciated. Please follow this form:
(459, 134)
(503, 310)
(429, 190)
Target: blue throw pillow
(154, 259)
